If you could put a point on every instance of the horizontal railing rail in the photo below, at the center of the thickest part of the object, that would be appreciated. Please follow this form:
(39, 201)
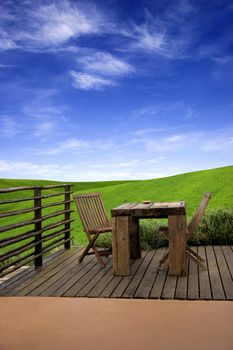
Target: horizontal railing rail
(22, 248)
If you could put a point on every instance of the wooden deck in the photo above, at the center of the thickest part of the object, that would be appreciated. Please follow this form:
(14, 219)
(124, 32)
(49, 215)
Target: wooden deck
(62, 275)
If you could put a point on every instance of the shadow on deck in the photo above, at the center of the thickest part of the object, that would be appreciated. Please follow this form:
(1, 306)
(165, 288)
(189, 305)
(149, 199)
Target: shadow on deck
(63, 275)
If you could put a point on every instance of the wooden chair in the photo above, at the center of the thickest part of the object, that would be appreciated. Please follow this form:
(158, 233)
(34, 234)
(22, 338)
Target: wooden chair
(192, 226)
(95, 221)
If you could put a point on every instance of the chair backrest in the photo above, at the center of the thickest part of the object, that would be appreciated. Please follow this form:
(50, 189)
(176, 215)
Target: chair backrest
(197, 216)
(91, 211)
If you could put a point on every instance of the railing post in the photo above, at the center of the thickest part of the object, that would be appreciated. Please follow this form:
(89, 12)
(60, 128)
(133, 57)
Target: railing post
(38, 261)
(67, 216)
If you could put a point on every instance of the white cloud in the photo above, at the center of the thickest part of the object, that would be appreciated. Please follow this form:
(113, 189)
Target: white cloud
(3, 66)
(172, 110)
(156, 36)
(43, 129)
(69, 145)
(6, 41)
(172, 143)
(7, 44)
(105, 63)
(34, 171)
(9, 127)
(42, 118)
(219, 143)
(150, 39)
(49, 24)
(74, 145)
(146, 131)
(85, 81)
(60, 21)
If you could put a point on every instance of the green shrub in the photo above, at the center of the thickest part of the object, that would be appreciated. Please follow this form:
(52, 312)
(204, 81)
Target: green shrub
(216, 227)
(149, 235)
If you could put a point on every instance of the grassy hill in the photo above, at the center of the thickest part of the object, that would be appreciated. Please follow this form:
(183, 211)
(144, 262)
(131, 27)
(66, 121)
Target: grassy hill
(189, 187)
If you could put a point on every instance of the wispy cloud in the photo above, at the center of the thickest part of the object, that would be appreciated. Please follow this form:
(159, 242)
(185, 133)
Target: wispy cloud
(74, 145)
(9, 127)
(155, 35)
(4, 66)
(68, 145)
(85, 81)
(177, 109)
(7, 43)
(99, 70)
(147, 131)
(172, 143)
(60, 21)
(34, 170)
(220, 143)
(147, 38)
(49, 24)
(190, 141)
(106, 64)
(36, 117)
(43, 129)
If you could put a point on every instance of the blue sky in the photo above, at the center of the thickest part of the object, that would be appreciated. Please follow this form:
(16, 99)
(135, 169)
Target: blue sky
(109, 90)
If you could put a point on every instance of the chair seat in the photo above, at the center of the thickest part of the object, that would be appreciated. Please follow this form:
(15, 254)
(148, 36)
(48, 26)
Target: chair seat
(93, 231)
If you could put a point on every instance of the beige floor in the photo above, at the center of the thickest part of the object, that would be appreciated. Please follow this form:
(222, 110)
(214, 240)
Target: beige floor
(76, 323)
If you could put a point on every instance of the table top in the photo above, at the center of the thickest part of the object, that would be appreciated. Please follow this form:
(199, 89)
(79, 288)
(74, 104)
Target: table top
(151, 209)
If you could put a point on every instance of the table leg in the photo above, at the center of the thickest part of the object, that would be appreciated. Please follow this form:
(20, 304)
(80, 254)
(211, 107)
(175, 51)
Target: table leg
(120, 245)
(177, 245)
(135, 248)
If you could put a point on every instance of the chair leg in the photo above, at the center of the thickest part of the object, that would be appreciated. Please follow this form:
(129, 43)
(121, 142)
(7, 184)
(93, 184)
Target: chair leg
(191, 251)
(199, 263)
(164, 265)
(97, 254)
(164, 262)
(164, 258)
(91, 245)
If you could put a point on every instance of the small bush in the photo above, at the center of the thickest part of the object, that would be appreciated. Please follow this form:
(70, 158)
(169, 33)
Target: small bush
(149, 235)
(216, 227)
(104, 240)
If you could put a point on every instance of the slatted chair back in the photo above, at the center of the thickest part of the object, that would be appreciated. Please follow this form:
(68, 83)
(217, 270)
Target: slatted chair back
(197, 216)
(92, 212)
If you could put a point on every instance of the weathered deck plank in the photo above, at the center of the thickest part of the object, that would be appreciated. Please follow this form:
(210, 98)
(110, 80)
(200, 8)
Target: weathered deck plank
(117, 293)
(63, 275)
(193, 287)
(204, 279)
(135, 281)
(147, 282)
(224, 273)
(215, 280)
(15, 284)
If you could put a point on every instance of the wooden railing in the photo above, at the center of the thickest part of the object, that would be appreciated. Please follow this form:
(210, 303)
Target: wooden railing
(22, 248)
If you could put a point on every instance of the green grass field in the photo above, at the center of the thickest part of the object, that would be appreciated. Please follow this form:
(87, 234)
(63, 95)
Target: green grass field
(189, 187)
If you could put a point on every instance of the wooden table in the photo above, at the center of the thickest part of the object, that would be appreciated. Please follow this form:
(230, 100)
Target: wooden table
(126, 240)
